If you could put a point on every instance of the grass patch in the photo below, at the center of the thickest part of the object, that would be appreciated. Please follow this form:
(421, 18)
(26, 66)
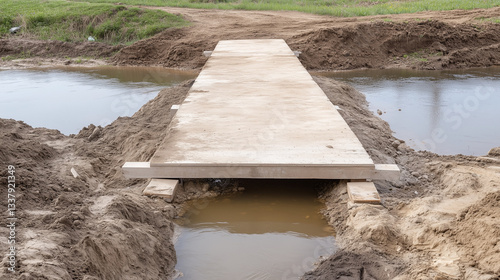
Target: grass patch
(494, 19)
(421, 55)
(75, 21)
(22, 55)
(343, 8)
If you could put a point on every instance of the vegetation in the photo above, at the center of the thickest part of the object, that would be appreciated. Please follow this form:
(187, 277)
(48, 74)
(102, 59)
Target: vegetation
(22, 55)
(494, 20)
(327, 7)
(74, 21)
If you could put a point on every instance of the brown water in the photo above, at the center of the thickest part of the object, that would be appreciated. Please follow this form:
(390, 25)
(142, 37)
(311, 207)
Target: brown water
(272, 230)
(69, 98)
(447, 112)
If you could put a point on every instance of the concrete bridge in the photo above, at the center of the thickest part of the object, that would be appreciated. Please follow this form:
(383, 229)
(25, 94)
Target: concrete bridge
(255, 112)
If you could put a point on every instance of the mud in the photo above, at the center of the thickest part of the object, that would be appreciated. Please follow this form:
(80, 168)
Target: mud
(440, 221)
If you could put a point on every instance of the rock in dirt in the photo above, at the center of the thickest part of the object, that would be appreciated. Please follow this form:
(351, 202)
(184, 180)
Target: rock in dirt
(494, 152)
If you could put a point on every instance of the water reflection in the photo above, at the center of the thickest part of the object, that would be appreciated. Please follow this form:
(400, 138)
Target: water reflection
(447, 112)
(135, 75)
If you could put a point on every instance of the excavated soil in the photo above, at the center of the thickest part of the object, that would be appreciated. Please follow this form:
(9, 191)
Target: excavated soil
(78, 218)
(427, 40)
(422, 41)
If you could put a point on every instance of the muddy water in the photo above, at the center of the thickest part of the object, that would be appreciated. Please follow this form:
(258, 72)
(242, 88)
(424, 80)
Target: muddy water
(69, 98)
(271, 230)
(447, 112)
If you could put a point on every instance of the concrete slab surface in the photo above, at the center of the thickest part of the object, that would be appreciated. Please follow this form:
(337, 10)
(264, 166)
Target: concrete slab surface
(255, 112)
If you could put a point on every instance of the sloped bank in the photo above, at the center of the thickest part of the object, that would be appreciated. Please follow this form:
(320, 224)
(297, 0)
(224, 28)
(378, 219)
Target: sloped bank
(399, 41)
(409, 43)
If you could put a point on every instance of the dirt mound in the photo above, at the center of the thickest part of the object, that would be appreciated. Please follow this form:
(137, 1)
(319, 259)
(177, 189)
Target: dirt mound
(495, 152)
(427, 40)
(74, 223)
(128, 138)
(133, 242)
(172, 48)
(13, 142)
(346, 265)
(438, 222)
(480, 222)
(25, 48)
(427, 44)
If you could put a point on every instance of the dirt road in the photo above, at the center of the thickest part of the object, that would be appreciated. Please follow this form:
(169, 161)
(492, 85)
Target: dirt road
(430, 40)
(440, 221)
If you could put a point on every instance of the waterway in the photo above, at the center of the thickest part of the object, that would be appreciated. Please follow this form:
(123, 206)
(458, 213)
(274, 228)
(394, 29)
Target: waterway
(271, 230)
(446, 112)
(70, 98)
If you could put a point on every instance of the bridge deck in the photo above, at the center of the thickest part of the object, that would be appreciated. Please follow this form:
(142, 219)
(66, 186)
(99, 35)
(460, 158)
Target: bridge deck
(255, 112)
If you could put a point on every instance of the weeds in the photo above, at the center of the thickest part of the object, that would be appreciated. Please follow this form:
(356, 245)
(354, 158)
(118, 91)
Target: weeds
(422, 55)
(493, 20)
(22, 55)
(8, 58)
(76, 20)
(73, 21)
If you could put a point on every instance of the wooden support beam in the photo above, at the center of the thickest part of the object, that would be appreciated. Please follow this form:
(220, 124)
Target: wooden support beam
(165, 188)
(363, 192)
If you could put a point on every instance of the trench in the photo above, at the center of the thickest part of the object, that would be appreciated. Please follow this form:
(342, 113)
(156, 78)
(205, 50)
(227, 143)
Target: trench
(270, 229)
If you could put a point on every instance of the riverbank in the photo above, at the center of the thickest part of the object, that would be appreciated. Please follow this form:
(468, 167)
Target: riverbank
(426, 40)
(79, 218)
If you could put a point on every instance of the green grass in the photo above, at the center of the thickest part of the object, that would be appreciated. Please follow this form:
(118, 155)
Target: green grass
(74, 21)
(22, 55)
(344, 8)
(494, 19)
